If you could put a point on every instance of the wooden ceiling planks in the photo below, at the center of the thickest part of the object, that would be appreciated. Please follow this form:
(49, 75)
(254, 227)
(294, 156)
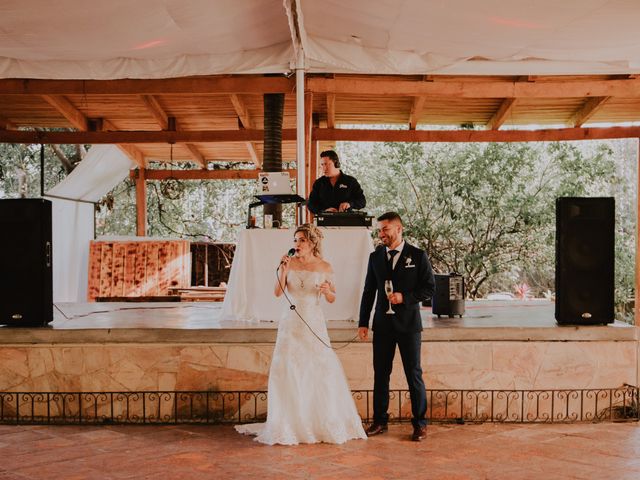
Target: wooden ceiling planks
(210, 104)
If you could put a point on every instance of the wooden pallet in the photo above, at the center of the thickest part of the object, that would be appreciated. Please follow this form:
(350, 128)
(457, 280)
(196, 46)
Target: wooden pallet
(137, 268)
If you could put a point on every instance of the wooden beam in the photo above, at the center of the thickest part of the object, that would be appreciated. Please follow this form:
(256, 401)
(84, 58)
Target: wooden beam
(590, 107)
(156, 110)
(79, 121)
(141, 201)
(196, 155)
(331, 110)
(205, 174)
(139, 136)
(242, 111)
(69, 111)
(550, 135)
(154, 107)
(503, 112)
(131, 151)
(468, 89)
(416, 111)
(243, 114)
(257, 85)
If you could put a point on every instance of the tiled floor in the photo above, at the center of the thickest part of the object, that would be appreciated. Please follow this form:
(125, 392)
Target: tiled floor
(487, 451)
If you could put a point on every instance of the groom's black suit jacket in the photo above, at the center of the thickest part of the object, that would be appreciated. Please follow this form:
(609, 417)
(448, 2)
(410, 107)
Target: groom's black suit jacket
(412, 276)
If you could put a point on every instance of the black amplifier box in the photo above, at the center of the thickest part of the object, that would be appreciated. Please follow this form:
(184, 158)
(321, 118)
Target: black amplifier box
(343, 219)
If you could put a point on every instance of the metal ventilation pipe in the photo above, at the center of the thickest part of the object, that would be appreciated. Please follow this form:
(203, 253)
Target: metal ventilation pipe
(272, 158)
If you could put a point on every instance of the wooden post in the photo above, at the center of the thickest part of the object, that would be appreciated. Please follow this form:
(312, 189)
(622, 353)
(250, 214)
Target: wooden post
(141, 203)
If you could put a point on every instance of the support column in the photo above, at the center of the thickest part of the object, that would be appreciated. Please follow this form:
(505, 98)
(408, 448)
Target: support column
(141, 203)
(301, 128)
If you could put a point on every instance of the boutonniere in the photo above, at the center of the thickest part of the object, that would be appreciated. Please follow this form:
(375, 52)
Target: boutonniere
(408, 263)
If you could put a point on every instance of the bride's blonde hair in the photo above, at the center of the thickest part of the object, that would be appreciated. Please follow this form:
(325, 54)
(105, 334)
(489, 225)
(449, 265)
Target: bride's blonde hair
(313, 235)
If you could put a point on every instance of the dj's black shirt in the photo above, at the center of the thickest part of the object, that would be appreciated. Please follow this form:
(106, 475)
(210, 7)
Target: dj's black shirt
(324, 195)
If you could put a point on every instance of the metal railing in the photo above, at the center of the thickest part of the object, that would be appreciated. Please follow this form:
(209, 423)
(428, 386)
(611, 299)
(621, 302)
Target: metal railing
(232, 407)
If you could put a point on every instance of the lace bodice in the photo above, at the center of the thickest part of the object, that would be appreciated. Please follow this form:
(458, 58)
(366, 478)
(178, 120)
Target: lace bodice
(304, 285)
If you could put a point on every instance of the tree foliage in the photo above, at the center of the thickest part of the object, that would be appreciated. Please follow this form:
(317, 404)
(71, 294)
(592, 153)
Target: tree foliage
(487, 211)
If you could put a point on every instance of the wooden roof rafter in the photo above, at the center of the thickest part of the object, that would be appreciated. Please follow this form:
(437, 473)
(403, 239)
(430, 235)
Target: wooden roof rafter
(243, 114)
(416, 110)
(588, 110)
(78, 120)
(153, 106)
(331, 110)
(501, 115)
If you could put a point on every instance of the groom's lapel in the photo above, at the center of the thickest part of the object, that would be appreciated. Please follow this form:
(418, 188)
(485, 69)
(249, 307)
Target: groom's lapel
(399, 270)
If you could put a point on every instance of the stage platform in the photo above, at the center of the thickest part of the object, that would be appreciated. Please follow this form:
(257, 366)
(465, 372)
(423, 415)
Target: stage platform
(177, 347)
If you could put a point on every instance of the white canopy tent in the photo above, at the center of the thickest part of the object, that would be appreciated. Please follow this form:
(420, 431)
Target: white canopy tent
(156, 39)
(75, 39)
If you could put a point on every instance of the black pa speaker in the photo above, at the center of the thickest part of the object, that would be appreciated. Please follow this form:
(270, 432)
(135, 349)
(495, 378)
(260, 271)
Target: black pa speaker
(448, 297)
(26, 289)
(585, 242)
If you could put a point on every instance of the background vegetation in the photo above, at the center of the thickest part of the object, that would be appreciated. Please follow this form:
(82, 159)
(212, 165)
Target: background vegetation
(486, 211)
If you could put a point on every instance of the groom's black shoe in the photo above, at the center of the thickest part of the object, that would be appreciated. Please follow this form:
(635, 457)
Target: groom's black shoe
(375, 429)
(419, 434)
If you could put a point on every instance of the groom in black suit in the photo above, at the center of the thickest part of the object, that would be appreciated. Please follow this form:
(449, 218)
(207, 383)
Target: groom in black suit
(410, 271)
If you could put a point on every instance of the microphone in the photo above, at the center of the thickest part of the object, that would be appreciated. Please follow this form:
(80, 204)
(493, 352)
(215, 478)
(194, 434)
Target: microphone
(290, 253)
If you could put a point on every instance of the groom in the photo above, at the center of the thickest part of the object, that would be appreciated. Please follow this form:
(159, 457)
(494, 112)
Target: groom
(412, 277)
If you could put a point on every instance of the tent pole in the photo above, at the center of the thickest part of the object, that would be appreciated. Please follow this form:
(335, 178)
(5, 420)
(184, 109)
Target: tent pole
(300, 139)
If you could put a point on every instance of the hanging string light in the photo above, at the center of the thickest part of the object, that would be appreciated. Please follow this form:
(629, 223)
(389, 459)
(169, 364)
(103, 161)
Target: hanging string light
(172, 188)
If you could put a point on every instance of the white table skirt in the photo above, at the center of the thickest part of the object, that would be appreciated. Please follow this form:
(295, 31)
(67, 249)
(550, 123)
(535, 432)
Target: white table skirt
(250, 295)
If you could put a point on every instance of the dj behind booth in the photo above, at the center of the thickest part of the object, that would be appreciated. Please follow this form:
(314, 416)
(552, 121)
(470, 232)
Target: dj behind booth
(258, 252)
(335, 197)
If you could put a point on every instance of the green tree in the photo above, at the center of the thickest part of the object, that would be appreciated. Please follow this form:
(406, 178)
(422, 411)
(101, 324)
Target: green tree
(486, 211)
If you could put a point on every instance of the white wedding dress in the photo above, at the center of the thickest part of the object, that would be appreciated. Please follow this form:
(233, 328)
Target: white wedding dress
(309, 400)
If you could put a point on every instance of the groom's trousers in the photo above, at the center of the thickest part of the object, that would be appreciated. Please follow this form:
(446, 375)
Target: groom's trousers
(384, 348)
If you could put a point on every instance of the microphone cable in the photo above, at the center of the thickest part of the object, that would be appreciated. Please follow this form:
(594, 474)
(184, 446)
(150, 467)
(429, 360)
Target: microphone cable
(293, 307)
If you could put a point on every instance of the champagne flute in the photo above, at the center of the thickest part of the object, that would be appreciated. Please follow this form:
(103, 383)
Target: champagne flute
(388, 289)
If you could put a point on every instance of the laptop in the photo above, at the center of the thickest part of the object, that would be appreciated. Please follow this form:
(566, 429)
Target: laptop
(274, 183)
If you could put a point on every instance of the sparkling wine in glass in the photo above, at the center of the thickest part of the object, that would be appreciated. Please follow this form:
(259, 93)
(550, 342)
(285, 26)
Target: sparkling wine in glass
(388, 289)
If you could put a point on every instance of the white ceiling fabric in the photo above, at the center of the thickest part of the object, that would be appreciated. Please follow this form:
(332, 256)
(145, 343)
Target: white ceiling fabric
(171, 38)
(69, 39)
(472, 37)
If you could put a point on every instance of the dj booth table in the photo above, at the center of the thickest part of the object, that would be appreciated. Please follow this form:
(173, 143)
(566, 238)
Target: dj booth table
(253, 273)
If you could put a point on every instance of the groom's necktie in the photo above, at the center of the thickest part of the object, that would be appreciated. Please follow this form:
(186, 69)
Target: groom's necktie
(392, 254)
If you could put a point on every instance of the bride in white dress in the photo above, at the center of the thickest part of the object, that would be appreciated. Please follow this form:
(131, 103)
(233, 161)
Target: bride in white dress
(309, 400)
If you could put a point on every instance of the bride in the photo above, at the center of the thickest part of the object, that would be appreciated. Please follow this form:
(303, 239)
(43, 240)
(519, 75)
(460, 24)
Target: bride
(309, 399)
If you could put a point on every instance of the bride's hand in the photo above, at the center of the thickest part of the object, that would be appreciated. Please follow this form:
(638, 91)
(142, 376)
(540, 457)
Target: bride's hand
(284, 263)
(326, 288)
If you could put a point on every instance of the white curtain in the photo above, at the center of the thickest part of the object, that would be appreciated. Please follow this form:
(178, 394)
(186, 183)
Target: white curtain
(103, 167)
